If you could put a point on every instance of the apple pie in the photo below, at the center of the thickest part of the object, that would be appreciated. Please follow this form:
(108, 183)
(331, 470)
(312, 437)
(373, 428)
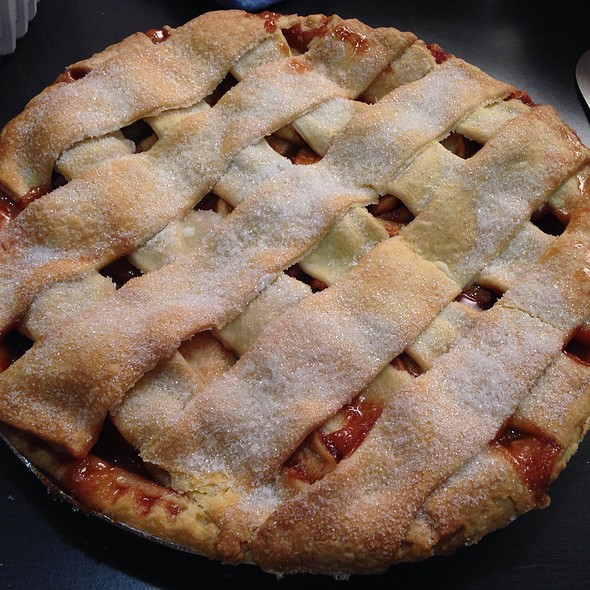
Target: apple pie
(294, 291)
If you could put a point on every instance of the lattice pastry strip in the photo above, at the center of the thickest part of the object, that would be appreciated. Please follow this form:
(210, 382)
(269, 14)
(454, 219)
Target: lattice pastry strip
(502, 484)
(488, 482)
(62, 300)
(199, 361)
(330, 259)
(548, 439)
(135, 82)
(573, 194)
(429, 239)
(534, 447)
(327, 261)
(279, 398)
(471, 477)
(437, 166)
(481, 125)
(164, 391)
(206, 358)
(414, 63)
(487, 118)
(138, 427)
(441, 334)
(549, 423)
(521, 252)
(269, 45)
(405, 431)
(89, 153)
(321, 126)
(349, 238)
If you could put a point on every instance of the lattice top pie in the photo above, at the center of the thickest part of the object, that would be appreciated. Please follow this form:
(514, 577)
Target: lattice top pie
(302, 293)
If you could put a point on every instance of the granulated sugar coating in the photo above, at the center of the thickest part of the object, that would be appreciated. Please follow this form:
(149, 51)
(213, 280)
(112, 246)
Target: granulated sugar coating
(334, 339)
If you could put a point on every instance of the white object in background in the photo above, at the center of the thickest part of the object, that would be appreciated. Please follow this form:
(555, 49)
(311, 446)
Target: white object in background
(14, 22)
(583, 76)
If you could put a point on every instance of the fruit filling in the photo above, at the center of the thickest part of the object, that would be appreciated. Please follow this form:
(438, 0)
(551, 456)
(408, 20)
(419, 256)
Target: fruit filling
(269, 18)
(460, 145)
(8, 210)
(404, 362)
(391, 213)
(344, 34)
(298, 273)
(97, 481)
(439, 54)
(34, 194)
(71, 75)
(324, 448)
(532, 452)
(359, 417)
(282, 146)
(158, 35)
(289, 144)
(305, 156)
(299, 38)
(114, 449)
(120, 271)
(578, 346)
(212, 202)
(522, 96)
(550, 220)
(478, 297)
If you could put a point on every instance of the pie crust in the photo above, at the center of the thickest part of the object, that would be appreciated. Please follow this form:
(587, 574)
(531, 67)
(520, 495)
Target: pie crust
(349, 321)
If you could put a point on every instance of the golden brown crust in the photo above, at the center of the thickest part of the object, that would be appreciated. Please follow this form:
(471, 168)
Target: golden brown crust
(311, 452)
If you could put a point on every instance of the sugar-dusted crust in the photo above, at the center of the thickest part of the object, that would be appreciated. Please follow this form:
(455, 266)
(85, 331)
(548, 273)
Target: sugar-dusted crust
(353, 411)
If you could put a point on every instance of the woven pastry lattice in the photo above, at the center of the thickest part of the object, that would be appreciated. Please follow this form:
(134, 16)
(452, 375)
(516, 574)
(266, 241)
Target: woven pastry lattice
(355, 330)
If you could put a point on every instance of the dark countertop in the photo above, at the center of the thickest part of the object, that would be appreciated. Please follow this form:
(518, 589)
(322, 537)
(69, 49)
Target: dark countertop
(46, 544)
